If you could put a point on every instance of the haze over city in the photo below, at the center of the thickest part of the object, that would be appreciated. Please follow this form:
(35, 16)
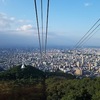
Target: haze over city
(69, 20)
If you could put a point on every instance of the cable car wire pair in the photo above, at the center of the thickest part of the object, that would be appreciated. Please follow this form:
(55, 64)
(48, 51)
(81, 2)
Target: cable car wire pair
(42, 46)
(88, 35)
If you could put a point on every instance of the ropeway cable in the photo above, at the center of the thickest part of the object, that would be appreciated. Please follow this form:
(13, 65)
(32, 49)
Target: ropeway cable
(38, 26)
(47, 25)
(77, 45)
(90, 35)
(42, 25)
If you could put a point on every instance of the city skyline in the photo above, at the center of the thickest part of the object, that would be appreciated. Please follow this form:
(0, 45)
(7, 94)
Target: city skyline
(68, 22)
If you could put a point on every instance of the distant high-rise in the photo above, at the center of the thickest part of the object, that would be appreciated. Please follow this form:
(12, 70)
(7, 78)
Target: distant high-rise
(78, 64)
(78, 71)
(89, 65)
(82, 60)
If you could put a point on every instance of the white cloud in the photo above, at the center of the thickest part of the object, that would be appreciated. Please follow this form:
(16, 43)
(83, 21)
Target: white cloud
(9, 22)
(26, 30)
(5, 21)
(25, 27)
(11, 25)
(87, 4)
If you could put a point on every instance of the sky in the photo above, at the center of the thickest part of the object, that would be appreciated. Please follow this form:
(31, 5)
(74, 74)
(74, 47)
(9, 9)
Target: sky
(69, 20)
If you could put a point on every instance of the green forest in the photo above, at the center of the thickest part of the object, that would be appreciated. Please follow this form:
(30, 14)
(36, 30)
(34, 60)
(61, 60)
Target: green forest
(32, 84)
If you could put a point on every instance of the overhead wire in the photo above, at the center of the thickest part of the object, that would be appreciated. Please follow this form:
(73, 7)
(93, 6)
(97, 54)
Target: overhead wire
(44, 43)
(47, 25)
(87, 38)
(42, 25)
(35, 4)
(78, 43)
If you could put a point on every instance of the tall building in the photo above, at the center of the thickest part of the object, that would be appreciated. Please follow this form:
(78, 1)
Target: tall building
(78, 64)
(89, 65)
(78, 71)
(82, 60)
(99, 70)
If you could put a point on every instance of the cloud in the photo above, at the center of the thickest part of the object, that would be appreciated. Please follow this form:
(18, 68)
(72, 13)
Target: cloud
(11, 25)
(5, 21)
(11, 22)
(26, 30)
(87, 4)
(25, 27)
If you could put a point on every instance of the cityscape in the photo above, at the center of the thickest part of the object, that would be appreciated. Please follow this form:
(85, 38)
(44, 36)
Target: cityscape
(83, 62)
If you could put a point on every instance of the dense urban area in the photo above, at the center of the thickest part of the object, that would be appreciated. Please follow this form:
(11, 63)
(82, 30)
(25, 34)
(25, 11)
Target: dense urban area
(81, 62)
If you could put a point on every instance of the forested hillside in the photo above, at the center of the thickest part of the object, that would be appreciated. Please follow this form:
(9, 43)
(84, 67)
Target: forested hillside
(30, 83)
